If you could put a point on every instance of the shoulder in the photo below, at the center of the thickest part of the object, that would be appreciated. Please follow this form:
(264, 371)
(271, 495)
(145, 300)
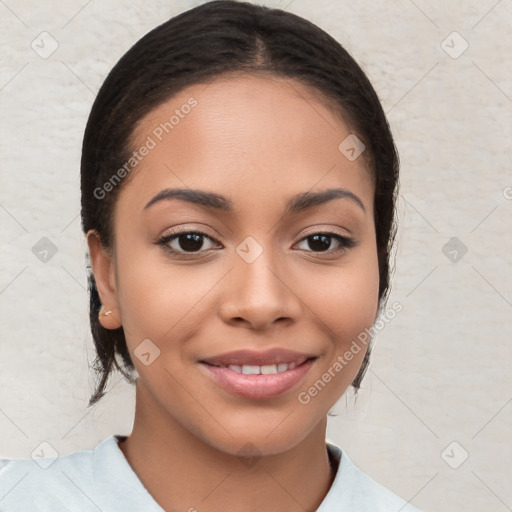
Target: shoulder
(353, 489)
(86, 480)
(49, 483)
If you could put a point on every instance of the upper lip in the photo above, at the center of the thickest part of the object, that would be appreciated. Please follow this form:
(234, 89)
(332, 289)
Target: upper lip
(249, 357)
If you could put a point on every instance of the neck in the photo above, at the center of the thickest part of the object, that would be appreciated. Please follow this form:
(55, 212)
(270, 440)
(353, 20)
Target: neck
(183, 472)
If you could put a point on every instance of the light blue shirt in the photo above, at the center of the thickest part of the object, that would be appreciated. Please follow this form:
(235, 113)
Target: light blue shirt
(101, 479)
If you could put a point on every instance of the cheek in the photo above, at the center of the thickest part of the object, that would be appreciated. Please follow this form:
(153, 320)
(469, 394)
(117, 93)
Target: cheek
(345, 304)
(159, 300)
(346, 297)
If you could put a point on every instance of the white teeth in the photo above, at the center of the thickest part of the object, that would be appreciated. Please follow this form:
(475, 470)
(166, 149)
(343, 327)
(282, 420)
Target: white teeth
(250, 370)
(268, 369)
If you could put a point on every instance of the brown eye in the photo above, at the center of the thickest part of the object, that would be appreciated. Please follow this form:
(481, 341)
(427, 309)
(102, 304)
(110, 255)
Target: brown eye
(321, 242)
(185, 242)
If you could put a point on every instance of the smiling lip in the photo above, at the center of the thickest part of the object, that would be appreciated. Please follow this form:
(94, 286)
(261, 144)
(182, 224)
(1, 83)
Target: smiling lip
(258, 386)
(249, 357)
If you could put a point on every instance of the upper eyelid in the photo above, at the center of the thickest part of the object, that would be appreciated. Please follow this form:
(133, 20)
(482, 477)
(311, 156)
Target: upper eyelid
(311, 230)
(173, 235)
(202, 233)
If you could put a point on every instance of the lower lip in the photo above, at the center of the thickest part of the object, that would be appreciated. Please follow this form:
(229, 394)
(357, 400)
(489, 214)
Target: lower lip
(257, 386)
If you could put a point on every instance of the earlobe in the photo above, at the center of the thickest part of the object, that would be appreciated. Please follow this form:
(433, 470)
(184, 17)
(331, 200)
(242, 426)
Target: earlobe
(102, 265)
(107, 319)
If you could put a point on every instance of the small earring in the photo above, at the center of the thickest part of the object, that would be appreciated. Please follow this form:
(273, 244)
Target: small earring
(108, 320)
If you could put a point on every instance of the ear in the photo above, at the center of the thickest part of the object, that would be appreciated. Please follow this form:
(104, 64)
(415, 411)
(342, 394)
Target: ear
(102, 264)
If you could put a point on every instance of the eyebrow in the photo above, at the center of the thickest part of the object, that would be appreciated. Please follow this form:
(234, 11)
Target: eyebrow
(211, 200)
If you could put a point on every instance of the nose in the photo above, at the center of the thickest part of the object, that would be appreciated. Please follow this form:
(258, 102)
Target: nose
(257, 295)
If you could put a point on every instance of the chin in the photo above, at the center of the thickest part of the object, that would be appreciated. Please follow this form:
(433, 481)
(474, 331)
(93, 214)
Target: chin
(257, 438)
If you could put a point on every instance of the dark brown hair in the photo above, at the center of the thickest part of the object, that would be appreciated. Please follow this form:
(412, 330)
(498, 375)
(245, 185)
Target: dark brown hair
(198, 46)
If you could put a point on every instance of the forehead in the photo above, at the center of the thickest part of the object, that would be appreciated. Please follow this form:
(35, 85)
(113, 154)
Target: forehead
(250, 134)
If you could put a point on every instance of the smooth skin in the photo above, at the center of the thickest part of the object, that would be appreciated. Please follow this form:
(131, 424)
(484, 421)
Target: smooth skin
(257, 140)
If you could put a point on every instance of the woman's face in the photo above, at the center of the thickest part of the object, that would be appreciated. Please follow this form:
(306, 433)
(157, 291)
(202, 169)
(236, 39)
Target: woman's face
(260, 280)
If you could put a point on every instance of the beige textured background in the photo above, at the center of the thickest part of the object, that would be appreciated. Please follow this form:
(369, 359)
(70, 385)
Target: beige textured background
(441, 369)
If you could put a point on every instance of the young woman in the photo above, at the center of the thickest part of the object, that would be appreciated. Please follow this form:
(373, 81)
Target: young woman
(238, 192)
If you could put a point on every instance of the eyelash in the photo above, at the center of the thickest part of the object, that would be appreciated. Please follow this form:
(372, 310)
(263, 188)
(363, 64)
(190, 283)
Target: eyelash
(345, 242)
